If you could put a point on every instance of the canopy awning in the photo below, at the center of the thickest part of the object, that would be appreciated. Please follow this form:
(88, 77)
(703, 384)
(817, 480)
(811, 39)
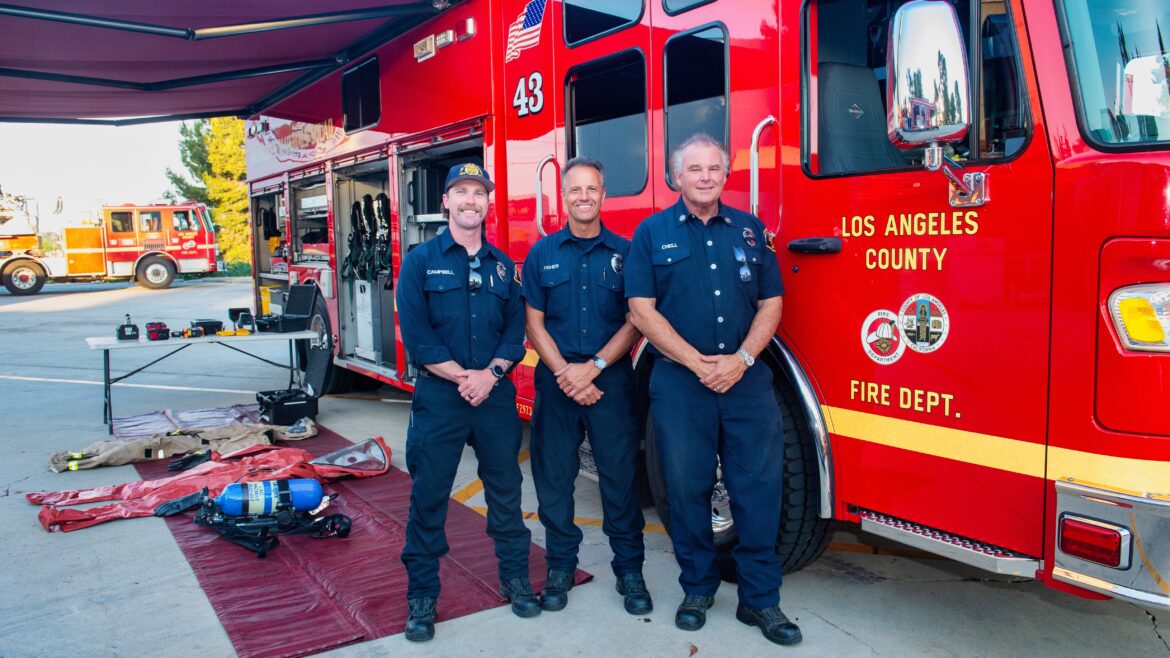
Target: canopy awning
(135, 61)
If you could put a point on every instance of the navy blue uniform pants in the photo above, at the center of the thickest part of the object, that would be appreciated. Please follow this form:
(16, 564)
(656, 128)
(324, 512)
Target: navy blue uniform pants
(441, 424)
(559, 426)
(742, 427)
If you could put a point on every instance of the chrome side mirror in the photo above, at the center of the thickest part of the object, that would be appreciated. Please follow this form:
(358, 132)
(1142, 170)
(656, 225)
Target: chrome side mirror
(928, 95)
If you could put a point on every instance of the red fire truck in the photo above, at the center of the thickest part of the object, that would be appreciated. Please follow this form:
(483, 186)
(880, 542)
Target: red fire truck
(970, 199)
(148, 244)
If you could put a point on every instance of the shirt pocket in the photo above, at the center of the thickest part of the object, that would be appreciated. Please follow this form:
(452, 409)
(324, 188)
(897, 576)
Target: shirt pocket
(558, 293)
(671, 265)
(610, 294)
(494, 300)
(755, 264)
(446, 298)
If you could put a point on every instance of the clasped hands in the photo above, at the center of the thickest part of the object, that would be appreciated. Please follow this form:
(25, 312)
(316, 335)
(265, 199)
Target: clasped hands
(576, 380)
(475, 385)
(719, 372)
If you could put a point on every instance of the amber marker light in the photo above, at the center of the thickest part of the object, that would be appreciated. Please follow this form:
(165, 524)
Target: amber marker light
(1141, 315)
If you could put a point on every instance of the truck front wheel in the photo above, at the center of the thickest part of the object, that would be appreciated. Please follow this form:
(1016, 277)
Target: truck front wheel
(803, 534)
(24, 278)
(155, 273)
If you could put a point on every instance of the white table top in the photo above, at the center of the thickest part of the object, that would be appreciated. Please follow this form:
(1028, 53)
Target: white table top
(112, 343)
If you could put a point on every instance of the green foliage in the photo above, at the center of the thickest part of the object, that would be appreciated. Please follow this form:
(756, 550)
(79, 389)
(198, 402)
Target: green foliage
(227, 193)
(193, 153)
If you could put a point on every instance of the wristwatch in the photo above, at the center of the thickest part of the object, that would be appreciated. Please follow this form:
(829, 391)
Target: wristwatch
(498, 371)
(599, 362)
(747, 358)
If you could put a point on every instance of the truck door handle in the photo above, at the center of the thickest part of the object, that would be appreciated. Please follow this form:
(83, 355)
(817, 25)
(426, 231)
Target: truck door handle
(815, 246)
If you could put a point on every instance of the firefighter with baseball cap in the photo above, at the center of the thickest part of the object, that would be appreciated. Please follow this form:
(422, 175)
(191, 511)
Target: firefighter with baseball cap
(462, 321)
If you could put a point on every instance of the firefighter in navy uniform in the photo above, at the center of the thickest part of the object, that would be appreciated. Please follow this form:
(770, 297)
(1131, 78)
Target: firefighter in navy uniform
(573, 283)
(462, 320)
(704, 287)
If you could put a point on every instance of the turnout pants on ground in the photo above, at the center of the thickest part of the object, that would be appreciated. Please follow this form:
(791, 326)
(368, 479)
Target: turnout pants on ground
(441, 424)
(742, 427)
(559, 426)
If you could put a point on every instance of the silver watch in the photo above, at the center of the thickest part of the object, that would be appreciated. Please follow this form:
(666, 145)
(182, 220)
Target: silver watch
(747, 358)
(599, 362)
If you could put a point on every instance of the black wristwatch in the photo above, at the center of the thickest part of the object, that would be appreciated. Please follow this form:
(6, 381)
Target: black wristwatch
(498, 371)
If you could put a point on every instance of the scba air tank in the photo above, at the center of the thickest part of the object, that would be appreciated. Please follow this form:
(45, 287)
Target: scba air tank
(269, 496)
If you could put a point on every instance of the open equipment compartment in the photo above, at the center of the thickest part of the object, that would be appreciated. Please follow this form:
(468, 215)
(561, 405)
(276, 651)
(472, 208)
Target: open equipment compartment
(361, 207)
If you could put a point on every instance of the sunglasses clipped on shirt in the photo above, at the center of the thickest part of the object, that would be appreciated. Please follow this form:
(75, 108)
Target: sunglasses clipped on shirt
(745, 272)
(474, 278)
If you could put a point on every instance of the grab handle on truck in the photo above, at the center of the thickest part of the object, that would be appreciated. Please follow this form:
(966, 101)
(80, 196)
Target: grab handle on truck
(755, 154)
(540, 194)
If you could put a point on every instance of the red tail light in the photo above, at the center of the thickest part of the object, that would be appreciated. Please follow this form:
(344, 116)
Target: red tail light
(1095, 541)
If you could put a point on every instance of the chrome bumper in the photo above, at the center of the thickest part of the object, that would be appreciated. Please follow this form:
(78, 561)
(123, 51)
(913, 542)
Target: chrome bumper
(1145, 562)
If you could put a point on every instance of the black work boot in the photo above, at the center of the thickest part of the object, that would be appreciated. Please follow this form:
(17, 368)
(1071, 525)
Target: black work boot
(420, 619)
(637, 598)
(772, 622)
(519, 592)
(556, 590)
(692, 612)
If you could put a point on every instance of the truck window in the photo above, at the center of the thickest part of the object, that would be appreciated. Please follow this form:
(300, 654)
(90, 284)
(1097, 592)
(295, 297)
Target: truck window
(607, 119)
(588, 19)
(151, 221)
(183, 221)
(361, 96)
(121, 222)
(1120, 64)
(850, 74)
(679, 6)
(696, 86)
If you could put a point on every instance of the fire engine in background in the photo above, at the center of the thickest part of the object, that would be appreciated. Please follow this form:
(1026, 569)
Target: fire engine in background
(970, 206)
(147, 244)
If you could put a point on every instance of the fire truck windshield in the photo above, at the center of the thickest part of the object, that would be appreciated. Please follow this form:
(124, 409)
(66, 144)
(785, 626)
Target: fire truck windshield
(1121, 58)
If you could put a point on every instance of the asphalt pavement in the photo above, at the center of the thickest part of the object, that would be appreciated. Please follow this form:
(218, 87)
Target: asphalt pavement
(125, 589)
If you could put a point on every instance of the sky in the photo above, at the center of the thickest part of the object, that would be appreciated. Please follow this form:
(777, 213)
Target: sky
(86, 166)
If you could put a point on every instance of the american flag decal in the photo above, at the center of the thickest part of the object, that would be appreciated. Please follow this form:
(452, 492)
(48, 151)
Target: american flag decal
(524, 33)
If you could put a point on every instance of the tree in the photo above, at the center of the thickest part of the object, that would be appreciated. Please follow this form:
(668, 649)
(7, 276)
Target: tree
(227, 192)
(193, 154)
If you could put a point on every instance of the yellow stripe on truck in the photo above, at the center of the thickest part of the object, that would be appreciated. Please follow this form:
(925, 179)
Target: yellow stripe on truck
(1002, 453)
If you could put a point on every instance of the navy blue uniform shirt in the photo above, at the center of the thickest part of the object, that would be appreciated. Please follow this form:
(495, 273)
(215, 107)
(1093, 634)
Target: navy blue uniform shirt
(579, 286)
(707, 279)
(442, 319)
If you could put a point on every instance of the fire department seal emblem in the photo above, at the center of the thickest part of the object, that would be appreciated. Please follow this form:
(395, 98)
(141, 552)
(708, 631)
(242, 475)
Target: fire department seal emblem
(616, 264)
(501, 271)
(749, 236)
(924, 323)
(880, 337)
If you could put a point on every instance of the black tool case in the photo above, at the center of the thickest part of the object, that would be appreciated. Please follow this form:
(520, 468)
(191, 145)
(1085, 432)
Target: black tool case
(285, 407)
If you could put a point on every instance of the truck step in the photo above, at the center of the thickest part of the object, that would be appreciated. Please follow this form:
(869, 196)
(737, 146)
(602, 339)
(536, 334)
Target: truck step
(961, 549)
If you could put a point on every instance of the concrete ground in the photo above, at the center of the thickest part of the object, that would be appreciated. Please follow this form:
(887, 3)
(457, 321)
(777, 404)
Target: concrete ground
(125, 589)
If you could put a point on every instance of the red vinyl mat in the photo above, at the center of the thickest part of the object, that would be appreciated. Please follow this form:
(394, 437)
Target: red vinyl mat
(311, 595)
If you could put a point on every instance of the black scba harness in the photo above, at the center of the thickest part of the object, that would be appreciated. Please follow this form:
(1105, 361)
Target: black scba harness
(258, 533)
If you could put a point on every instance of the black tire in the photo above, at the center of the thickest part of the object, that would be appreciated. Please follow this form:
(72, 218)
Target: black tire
(155, 272)
(320, 374)
(24, 277)
(803, 535)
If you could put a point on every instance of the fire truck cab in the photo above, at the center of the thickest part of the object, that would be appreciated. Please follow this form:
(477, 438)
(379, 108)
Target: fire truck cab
(968, 200)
